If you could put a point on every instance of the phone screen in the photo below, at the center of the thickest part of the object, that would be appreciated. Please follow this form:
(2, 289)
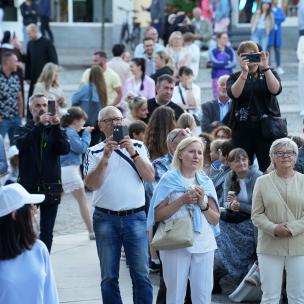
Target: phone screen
(253, 57)
(52, 107)
(119, 132)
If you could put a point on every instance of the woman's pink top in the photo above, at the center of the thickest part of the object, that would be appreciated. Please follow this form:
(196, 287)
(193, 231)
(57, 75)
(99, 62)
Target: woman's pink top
(134, 88)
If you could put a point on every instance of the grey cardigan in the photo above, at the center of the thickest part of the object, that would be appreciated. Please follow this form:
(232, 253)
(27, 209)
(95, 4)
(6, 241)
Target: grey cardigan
(245, 206)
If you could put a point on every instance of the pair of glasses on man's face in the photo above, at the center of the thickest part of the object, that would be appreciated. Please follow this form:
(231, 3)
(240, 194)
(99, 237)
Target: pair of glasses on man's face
(111, 120)
(284, 154)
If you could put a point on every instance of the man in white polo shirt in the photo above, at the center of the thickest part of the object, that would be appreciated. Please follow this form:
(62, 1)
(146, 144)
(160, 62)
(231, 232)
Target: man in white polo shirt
(115, 172)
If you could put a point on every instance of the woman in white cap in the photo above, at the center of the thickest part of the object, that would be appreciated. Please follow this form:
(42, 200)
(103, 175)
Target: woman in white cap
(26, 274)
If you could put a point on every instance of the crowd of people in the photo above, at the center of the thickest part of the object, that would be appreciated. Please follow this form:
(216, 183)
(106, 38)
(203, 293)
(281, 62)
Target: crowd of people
(143, 120)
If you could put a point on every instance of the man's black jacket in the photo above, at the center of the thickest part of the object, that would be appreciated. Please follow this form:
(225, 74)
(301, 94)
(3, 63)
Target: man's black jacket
(40, 148)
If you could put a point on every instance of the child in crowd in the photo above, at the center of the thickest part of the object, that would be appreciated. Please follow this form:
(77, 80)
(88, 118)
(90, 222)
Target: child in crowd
(187, 121)
(13, 165)
(214, 155)
(72, 182)
(137, 130)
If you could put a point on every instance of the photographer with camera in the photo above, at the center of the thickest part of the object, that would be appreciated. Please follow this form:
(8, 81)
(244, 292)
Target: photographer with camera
(253, 91)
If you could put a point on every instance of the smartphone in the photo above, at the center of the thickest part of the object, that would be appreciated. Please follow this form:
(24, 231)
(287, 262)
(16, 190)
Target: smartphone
(52, 107)
(119, 132)
(253, 57)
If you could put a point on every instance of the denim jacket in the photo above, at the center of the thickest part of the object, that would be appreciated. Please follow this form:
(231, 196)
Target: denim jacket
(79, 146)
(3, 162)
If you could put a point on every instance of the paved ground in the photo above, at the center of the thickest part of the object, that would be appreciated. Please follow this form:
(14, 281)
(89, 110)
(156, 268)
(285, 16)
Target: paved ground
(76, 264)
(74, 256)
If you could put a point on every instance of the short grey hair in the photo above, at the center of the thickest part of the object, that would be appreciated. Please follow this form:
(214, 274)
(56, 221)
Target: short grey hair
(103, 112)
(33, 27)
(34, 97)
(283, 142)
(222, 78)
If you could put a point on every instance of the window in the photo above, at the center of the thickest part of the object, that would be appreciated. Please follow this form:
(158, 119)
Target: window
(90, 10)
(10, 13)
(80, 10)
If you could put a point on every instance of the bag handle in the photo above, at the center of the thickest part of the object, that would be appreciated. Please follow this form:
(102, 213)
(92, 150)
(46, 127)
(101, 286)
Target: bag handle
(281, 198)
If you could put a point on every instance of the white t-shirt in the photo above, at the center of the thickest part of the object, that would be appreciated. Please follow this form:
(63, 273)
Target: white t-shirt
(122, 188)
(196, 90)
(203, 242)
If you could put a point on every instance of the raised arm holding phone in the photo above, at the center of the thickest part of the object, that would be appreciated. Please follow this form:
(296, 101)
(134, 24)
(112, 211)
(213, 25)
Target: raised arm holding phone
(253, 92)
(115, 171)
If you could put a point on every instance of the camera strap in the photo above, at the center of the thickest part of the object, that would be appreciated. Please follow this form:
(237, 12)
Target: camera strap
(129, 161)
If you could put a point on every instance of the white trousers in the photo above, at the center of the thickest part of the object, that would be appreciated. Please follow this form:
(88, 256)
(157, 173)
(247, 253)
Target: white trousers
(271, 270)
(178, 266)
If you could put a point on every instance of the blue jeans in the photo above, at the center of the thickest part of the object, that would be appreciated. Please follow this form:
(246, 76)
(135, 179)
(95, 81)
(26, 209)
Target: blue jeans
(9, 126)
(260, 36)
(111, 233)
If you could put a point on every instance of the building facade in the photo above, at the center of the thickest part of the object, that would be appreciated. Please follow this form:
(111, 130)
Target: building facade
(77, 23)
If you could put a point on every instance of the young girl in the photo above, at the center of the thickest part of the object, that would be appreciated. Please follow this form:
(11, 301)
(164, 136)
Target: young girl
(72, 182)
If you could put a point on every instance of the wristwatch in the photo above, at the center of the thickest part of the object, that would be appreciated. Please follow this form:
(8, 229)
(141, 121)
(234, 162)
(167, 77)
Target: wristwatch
(207, 207)
(134, 155)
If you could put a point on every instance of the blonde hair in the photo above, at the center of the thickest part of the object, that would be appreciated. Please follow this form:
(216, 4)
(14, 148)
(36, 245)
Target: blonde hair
(176, 162)
(175, 35)
(47, 75)
(136, 102)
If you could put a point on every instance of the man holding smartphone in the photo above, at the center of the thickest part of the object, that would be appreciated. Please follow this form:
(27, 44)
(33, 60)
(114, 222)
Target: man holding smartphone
(40, 143)
(115, 172)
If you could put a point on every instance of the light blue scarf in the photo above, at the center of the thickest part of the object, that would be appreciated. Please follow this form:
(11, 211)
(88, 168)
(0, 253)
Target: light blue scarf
(172, 181)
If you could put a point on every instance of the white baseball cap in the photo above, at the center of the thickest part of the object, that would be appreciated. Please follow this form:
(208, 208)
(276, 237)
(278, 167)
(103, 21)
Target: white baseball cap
(14, 196)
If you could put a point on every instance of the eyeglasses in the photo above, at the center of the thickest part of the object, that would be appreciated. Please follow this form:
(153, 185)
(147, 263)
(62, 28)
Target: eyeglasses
(179, 133)
(111, 120)
(284, 154)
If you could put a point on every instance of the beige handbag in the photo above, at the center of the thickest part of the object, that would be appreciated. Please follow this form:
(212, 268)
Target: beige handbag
(174, 234)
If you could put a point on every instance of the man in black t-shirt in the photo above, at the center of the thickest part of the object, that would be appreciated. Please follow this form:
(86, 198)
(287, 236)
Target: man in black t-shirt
(164, 90)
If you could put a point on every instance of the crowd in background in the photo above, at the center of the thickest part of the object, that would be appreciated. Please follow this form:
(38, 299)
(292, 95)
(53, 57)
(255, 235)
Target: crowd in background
(182, 152)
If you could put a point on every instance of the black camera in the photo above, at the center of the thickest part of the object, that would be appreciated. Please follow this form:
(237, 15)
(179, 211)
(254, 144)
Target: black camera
(242, 114)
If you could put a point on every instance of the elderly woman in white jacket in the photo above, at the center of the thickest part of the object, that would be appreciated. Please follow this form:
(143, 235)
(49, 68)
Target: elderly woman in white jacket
(277, 212)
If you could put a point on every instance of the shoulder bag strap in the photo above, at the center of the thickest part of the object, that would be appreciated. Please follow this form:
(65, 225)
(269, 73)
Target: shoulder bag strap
(281, 198)
(129, 161)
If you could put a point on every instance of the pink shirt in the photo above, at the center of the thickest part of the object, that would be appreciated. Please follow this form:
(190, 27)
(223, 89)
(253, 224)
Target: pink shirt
(132, 87)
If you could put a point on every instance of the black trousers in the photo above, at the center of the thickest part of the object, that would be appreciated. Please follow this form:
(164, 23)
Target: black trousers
(45, 27)
(48, 213)
(248, 137)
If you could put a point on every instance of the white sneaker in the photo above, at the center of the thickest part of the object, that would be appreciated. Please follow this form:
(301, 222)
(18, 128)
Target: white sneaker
(280, 70)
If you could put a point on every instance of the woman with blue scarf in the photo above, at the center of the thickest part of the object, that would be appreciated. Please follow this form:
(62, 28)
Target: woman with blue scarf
(186, 187)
